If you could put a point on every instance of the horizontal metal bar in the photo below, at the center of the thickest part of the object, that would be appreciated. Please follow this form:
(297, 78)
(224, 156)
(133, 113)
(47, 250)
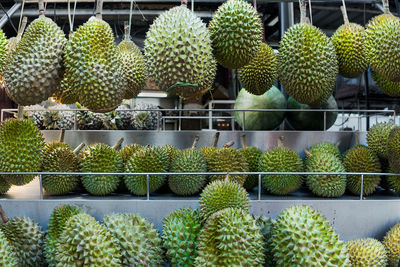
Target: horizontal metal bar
(207, 1)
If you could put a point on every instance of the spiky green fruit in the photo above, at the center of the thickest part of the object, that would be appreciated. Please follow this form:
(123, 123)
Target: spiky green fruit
(4, 186)
(228, 160)
(55, 227)
(281, 159)
(230, 237)
(220, 195)
(366, 252)
(393, 148)
(261, 73)
(94, 68)
(35, 68)
(360, 158)
(178, 53)
(134, 68)
(266, 230)
(181, 229)
(101, 158)
(139, 242)
(84, 242)
(325, 147)
(188, 160)
(349, 42)
(149, 159)
(391, 241)
(171, 151)
(236, 34)
(60, 159)
(7, 254)
(65, 93)
(382, 33)
(388, 87)
(378, 136)
(252, 156)
(307, 64)
(3, 51)
(393, 181)
(127, 152)
(325, 185)
(320, 245)
(21, 149)
(26, 238)
(208, 153)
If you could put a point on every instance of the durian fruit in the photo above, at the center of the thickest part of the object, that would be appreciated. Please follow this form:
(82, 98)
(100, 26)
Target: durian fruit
(324, 185)
(13, 41)
(236, 34)
(88, 120)
(126, 117)
(101, 158)
(228, 159)
(378, 136)
(139, 242)
(65, 94)
(366, 252)
(145, 117)
(252, 156)
(391, 241)
(35, 114)
(67, 117)
(360, 158)
(181, 229)
(112, 120)
(188, 160)
(35, 69)
(209, 150)
(3, 50)
(134, 66)
(307, 63)
(178, 53)
(388, 87)
(127, 152)
(382, 33)
(281, 159)
(84, 242)
(393, 148)
(261, 73)
(219, 195)
(393, 181)
(51, 119)
(94, 67)
(4, 186)
(230, 237)
(303, 237)
(325, 147)
(61, 159)
(171, 151)
(349, 42)
(21, 149)
(266, 230)
(26, 238)
(7, 255)
(57, 221)
(149, 159)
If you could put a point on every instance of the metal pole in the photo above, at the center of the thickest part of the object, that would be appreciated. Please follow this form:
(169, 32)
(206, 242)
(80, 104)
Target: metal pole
(41, 186)
(362, 187)
(286, 14)
(324, 120)
(158, 121)
(75, 120)
(148, 186)
(367, 97)
(210, 116)
(8, 15)
(244, 121)
(259, 187)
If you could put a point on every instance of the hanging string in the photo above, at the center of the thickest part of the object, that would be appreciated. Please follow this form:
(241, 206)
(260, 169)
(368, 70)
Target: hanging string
(130, 19)
(344, 12)
(69, 15)
(192, 5)
(309, 3)
(22, 12)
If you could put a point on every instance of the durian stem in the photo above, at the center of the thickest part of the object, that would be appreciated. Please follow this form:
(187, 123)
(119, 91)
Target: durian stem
(62, 136)
(196, 140)
(280, 141)
(41, 8)
(307, 153)
(126, 30)
(386, 8)
(3, 215)
(344, 13)
(215, 140)
(79, 148)
(229, 144)
(23, 25)
(184, 2)
(226, 178)
(303, 12)
(20, 113)
(338, 143)
(118, 144)
(255, 4)
(99, 9)
(243, 140)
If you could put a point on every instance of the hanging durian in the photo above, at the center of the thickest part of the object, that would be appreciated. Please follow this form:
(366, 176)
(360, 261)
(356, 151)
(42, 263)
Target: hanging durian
(388, 87)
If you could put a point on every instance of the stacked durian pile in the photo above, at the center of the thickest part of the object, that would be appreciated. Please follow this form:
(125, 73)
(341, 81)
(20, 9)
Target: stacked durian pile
(220, 233)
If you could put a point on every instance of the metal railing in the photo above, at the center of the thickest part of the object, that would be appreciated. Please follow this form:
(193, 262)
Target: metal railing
(210, 115)
(259, 174)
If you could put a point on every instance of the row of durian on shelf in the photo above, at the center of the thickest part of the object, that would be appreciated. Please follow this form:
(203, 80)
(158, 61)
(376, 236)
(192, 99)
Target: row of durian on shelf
(180, 55)
(220, 233)
(22, 149)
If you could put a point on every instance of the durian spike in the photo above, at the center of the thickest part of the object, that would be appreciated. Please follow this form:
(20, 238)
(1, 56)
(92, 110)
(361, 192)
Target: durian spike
(229, 144)
(23, 26)
(280, 141)
(344, 13)
(126, 30)
(303, 12)
(3, 215)
(357, 137)
(307, 153)
(79, 148)
(243, 140)
(41, 8)
(196, 140)
(62, 136)
(99, 9)
(386, 8)
(20, 113)
(215, 140)
(117, 146)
